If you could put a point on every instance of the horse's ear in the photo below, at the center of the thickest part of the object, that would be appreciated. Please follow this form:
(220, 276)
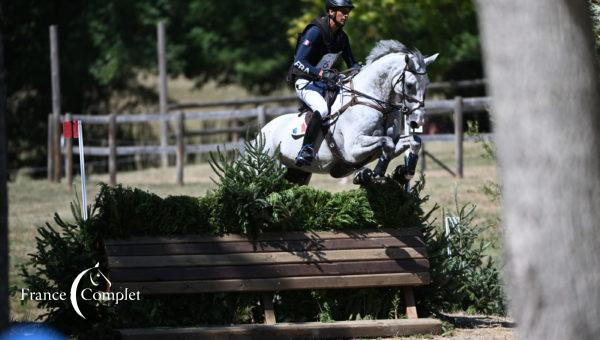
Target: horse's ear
(431, 59)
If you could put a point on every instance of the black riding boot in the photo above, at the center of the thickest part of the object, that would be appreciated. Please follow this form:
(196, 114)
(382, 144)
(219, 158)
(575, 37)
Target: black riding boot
(307, 152)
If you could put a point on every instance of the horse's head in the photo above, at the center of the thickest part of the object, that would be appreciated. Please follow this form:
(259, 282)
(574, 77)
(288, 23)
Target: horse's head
(402, 78)
(409, 84)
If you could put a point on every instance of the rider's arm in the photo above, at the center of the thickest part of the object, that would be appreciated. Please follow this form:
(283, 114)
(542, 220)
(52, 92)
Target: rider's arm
(347, 54)
(307, 42)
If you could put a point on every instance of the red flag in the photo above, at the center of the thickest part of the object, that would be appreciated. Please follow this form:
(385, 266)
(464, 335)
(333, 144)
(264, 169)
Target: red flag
(70, 129)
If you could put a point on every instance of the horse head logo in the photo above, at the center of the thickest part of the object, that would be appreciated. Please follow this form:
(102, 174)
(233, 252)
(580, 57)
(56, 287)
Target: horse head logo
(95, 276)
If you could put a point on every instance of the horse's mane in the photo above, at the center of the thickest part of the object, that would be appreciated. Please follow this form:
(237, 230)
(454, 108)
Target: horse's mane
(385, 47)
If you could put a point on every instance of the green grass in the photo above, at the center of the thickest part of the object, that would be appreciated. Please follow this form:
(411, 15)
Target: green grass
(33, 202)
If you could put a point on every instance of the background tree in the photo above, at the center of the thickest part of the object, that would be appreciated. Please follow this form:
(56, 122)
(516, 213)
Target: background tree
(106, 45)
(544, 84)
(103, 45)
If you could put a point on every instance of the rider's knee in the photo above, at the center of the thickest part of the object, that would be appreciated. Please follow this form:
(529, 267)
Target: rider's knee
(322, 108)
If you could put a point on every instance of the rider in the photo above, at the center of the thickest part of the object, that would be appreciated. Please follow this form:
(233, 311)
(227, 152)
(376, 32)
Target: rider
(322, 36)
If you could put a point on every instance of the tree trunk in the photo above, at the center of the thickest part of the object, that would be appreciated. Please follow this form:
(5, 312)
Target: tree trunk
(4, 306)
(544, 82)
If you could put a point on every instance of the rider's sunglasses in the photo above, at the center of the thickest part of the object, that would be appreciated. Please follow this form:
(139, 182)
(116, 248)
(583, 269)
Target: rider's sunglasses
(344, 10)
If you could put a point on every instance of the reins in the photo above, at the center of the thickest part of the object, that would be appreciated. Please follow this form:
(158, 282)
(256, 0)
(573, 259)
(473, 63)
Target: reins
(382, 106)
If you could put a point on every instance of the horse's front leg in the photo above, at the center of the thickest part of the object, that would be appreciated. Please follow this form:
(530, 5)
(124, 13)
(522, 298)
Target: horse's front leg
(367, 145)
(404, 173)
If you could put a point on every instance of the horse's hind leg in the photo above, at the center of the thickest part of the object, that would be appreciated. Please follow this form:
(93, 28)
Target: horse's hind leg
(298, 176)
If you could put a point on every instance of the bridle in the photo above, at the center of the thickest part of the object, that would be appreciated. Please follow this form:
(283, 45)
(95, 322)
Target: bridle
(383, 106)
(404, 97)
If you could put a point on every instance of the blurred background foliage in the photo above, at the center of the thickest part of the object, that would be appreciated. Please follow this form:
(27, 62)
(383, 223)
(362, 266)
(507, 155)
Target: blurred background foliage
(445, 26)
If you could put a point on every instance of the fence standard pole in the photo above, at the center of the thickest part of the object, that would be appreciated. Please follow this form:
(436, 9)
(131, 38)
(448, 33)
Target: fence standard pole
(56, 109)
(262, 116)
(112, 149)
(162, 90)
(69, 156)
(180, 159)
(50, 150)
(458, 135)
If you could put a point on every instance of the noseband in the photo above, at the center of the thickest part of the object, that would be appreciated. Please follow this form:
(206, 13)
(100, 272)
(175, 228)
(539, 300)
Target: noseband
(403, 96)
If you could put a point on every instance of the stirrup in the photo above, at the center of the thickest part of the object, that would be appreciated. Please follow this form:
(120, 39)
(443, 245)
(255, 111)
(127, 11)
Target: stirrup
(305, 156)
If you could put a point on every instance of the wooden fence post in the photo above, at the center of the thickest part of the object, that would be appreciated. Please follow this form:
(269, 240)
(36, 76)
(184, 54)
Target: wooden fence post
(262, 116)
(69, 156)
(458, 135)
(112, 149)
(423, 158)
(180, 158)
(162, 72)
(56, 109)
(56, 127)
(50, 149)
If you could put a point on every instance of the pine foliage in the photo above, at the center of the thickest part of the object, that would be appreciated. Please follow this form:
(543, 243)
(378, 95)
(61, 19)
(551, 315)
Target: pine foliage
(244, 183)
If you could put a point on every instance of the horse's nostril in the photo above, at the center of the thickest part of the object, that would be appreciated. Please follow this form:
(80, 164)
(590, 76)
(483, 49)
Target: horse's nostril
(413, 125)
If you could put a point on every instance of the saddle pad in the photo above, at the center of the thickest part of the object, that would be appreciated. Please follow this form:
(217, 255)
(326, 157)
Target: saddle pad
(299, 125)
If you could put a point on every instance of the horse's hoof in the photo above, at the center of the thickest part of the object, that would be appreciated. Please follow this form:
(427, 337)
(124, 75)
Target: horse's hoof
(402, 175)
(363, 177)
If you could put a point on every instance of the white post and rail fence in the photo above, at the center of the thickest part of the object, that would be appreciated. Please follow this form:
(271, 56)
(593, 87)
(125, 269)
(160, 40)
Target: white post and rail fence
(255, 117)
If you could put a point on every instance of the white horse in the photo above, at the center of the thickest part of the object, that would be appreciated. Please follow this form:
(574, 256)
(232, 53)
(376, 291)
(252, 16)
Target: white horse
(366, 119)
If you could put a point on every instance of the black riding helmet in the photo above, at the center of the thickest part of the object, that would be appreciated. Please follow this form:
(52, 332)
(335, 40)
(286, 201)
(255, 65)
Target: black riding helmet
(338, 4)
(333, 4)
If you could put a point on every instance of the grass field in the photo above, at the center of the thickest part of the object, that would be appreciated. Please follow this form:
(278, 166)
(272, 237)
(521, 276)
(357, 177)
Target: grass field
(33, 202)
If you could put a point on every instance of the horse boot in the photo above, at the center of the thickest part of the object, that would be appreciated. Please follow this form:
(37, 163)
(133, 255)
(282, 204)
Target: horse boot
(307, 152)
(382, 165)
(404, 173)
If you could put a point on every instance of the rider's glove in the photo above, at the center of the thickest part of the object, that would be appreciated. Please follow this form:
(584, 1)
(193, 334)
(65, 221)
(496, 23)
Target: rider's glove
(330, 77)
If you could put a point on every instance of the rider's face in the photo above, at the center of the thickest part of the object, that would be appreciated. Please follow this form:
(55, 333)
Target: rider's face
(340, 14)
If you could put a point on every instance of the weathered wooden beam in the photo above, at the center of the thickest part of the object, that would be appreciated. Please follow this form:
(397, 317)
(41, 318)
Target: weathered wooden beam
(272, 236)
(264, 258)
(274, 284)
(265, 271)
(231, 247)
(300, 330)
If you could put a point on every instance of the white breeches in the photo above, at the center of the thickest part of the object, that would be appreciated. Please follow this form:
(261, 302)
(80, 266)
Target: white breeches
(312, 98)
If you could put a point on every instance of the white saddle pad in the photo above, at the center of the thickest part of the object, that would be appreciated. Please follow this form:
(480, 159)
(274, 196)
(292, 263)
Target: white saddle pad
(299, 126)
